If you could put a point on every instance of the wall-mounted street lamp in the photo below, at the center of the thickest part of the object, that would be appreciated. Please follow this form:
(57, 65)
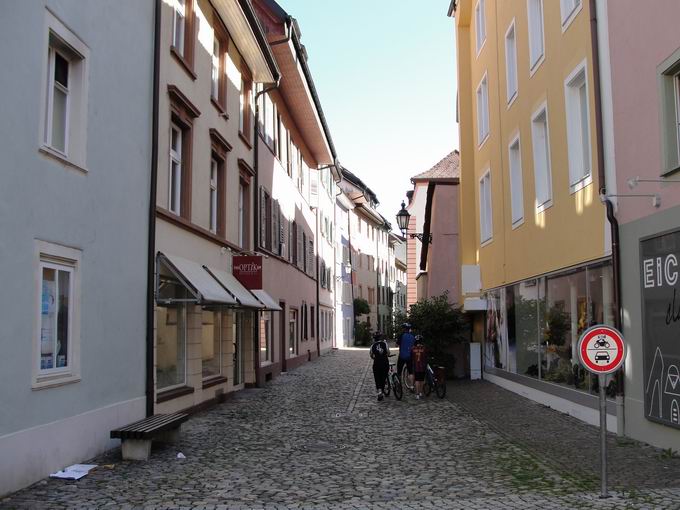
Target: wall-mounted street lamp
(403, 218)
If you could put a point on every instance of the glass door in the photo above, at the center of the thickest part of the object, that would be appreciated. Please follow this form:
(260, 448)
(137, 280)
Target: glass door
(238, 348)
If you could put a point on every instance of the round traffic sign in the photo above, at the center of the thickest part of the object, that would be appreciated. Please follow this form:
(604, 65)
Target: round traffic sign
(601, 349)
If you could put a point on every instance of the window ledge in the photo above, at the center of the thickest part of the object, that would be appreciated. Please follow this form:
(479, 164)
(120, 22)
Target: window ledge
(214, 381)
(54, 380)
(570, 18)
(511, 101)
(218, 106)
(50, 152)
(544, 206)
(537, 65)
(670, 171)
(518, 224)
(164, 396)
(580, 184)
(486, 242)
(183, 62)
(245, 140)
(486, 137)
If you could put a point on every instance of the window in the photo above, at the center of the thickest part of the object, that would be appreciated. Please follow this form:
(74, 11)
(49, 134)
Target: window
(213, 195)
(171, 336)
(178, 25)
(57, 343)
(569, 9)
(535, 18)
(211, 343)
(482, 111)
(516, 183)
(292, 333)
(218, 75)
(175, 169)
(541, 150)
(485, 212)
(578, 127)
(243, 214)
(668, 82)
(245, 110)
(266, 324)
(511, 63)
(480, 24)
(311, 320)
(64, 133)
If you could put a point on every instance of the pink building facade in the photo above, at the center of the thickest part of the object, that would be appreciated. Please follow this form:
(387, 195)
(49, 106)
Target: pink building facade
(640, 78)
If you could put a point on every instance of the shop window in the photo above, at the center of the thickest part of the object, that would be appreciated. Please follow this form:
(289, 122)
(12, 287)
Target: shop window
(266, 337)
(171, 334)
(211, 343)
(58, 340)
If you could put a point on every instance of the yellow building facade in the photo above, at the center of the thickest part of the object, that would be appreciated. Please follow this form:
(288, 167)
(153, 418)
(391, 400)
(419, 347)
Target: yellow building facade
(533, 227)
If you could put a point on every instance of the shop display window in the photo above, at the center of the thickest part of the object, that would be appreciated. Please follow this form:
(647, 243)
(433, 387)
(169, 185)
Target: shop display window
(211, 343)
(265, 337)
(171, 335)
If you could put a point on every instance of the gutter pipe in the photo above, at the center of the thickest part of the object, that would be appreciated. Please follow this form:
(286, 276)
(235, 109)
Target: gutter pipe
(611, 217)
(151, 253)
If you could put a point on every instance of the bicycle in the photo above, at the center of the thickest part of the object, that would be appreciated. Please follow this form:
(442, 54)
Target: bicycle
(406, 380)
(436, 380)
(392, 382)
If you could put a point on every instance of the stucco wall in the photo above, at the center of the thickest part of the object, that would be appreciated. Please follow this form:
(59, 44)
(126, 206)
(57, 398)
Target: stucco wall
(103, 212)
(443, 264)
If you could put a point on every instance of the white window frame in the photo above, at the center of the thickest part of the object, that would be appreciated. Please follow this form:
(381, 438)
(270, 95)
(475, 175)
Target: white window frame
(485, 209)
(179, 11)
(545, 204)
(59, 39)
(568, 13)
(215, 68)
(61, 258)
(511, 86)
(214, 176)
(579, 154)
(480, 25)
(482, 97)
(52, 84)
(535, 61)
(175, 156)
(516, 183)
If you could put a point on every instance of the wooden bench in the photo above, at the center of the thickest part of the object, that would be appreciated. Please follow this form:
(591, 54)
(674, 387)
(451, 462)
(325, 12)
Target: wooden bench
(136, 438)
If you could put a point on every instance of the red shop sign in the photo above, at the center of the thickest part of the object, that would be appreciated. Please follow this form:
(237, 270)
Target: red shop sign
(248, 270)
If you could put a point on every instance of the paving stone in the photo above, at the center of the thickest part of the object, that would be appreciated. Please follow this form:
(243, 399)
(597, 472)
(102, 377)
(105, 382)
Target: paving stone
(285, 446)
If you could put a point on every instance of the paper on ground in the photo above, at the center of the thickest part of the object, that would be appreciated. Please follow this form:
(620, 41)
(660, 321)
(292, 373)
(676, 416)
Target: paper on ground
(74, 472)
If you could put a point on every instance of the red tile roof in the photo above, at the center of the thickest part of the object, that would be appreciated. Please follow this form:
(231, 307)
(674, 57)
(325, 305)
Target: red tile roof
(448, 168)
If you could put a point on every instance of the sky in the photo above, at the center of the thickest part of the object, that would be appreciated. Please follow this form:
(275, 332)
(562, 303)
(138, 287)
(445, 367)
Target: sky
(385, 72)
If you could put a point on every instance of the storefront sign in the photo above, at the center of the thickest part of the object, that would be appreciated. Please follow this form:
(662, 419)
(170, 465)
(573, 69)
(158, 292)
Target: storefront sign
(660, 284)
(248, 270)
(601, 349)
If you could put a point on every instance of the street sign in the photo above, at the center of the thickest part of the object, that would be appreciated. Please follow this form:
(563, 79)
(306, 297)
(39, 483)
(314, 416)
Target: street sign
(601, 349)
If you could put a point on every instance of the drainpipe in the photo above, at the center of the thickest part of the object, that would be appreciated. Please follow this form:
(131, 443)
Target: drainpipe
(151, 253)
(614, 224)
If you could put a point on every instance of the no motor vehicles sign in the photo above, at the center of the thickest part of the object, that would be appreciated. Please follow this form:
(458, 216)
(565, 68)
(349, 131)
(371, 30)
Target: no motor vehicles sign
(601, 349)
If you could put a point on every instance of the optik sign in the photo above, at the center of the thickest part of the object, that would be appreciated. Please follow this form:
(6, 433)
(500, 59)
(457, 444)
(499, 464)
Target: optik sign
(660, 275)
(248, 270)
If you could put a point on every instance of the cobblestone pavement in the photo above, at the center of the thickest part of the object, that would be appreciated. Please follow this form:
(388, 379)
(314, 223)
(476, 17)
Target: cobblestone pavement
(317, 438)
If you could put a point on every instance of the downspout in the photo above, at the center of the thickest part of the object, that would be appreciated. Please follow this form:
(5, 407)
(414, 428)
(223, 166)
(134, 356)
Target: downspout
(317, 311)
(151, 253)
(614, 224)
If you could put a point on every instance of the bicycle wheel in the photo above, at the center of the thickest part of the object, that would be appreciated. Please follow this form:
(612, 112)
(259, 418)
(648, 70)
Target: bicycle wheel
(387, 387)
(405, 381)
(441, 389)
(398, 389)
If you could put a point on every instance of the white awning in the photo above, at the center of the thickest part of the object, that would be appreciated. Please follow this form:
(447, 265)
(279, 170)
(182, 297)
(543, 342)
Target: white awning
(267, 300)
(229, 282)
(204, 286)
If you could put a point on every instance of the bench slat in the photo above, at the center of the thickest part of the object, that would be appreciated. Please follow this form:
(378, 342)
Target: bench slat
(151, 426)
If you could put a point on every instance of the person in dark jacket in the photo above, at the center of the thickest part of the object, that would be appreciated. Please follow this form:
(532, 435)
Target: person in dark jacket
(381, 364)
(419, 365)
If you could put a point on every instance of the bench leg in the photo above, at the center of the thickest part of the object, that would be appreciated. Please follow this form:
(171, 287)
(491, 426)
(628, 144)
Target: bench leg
(169, 436)
(136, 449)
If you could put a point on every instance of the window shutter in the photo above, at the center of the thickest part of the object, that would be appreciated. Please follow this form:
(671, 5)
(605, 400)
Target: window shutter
(263, 218)
(291, 245)
(299, 257)
(281, 234)
(275, 226)
(312, 258)
(304, 252)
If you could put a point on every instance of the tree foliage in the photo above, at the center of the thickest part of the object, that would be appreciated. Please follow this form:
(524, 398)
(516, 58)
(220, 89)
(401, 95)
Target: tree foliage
(361, 307)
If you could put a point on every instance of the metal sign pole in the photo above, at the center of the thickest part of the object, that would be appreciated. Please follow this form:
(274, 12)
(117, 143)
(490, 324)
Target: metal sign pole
(603, 436)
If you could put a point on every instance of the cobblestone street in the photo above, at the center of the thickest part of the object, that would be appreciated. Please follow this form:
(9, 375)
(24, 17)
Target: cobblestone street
(316, 438)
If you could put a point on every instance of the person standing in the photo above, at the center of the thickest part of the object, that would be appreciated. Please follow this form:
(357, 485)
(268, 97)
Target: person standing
(419, 364)
(380, 352)
(405, 342)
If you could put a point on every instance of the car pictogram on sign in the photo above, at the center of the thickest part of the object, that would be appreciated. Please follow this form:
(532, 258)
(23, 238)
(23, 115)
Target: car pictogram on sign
(602, 356)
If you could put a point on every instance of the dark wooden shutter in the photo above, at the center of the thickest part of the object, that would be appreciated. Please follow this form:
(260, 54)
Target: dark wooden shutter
(263, 218)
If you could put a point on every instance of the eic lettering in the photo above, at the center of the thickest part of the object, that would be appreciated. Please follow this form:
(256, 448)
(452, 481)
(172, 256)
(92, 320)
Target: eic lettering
(660, 271)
